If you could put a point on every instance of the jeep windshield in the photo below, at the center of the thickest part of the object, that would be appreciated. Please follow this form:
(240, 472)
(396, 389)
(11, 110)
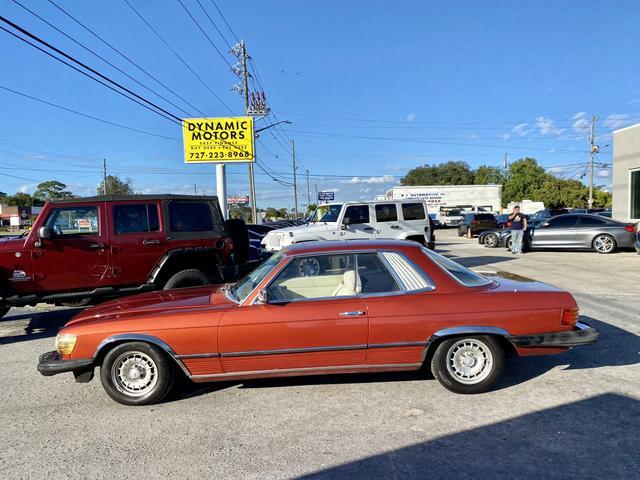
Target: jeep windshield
(327, 213)
(246, 284)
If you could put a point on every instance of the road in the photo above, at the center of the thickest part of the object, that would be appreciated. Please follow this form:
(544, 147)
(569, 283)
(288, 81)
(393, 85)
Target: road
(572, 415)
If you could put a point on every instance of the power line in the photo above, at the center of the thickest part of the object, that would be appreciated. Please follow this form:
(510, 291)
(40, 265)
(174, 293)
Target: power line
(127, 58)
(225, 21)
(82, 72)
(166, 44)
(85, 115)
(205, 35)
(214, 24)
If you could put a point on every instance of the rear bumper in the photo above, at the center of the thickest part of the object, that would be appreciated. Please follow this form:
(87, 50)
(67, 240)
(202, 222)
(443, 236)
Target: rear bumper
(51, 363)
(583, 334)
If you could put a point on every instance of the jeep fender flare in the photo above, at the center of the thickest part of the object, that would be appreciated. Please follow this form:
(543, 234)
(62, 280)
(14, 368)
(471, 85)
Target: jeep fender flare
(163, 264)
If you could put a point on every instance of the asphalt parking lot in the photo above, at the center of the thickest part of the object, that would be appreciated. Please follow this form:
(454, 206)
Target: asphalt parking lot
(573, 415)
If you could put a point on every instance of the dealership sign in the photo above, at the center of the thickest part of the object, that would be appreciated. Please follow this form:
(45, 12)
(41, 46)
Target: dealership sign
(218, 140)
(326, 196)
(238, 199)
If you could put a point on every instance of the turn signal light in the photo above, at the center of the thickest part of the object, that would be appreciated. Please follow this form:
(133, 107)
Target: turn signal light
(569, 316)
(65, 343)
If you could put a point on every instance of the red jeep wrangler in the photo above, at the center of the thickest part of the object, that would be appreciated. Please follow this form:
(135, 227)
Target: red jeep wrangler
(87, 249)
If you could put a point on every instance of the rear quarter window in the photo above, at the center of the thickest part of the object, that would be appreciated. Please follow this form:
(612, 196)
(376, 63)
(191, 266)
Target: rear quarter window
(463, 275)
(413, 211)
(194, 217)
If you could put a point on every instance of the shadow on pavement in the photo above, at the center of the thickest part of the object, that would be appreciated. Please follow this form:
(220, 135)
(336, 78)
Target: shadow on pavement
(592, 438)
(40, 324)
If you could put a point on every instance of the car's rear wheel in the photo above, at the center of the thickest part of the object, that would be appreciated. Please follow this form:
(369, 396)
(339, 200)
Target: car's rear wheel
(491, 240)
(136, 373)
(468, 364)
(604, 244)
(188, 278)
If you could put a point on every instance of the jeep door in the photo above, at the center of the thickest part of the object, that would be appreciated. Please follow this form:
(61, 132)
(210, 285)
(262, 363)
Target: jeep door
(414, 218)
(138, 240)
(77, 256)
(356, 223)
(386, 220)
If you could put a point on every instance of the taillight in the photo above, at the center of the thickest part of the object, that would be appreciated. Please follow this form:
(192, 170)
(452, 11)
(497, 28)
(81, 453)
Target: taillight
(630, 228)
(569, 316)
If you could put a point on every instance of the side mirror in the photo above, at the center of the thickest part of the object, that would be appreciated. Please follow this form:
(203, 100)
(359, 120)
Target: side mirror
(343, 226)
(263, 297)
(45, 233)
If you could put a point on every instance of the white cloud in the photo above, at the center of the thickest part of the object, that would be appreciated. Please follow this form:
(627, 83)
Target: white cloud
(372, 180)
(474, 136)
(505, 136)
(411, 117)
(581, 124)
(547, 126)
(521, 129)
(365, 190)
(618, 120)
(604, 173)
(579, 115)
(335, 190)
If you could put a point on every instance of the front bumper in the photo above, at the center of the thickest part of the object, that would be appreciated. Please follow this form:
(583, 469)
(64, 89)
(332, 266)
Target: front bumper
(51, 363)
(583, 334)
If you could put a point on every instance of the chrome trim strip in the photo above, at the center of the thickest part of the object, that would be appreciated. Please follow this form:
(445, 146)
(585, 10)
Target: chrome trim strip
(398, 344)
(198, 355)
(308, 369)
(465, 329)
(293, 350)
(142, 338)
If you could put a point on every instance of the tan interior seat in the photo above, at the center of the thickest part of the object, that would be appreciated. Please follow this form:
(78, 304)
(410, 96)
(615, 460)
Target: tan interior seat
(349, 286)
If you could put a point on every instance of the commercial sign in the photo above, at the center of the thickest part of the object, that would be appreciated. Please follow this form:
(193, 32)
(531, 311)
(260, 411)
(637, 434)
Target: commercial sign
(238, 199)
(326, 196)
(218, 140)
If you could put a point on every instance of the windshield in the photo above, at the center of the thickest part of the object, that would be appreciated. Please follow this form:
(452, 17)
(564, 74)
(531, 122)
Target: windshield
(327, 213)
(246, 284)
(466, 277)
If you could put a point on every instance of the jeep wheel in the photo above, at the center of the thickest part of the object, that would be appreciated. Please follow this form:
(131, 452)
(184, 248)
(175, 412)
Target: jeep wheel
(136, 373)
(468, 364)
(188, 278)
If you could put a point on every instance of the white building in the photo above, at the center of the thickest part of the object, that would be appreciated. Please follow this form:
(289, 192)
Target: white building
(437, 196)
(626, 173)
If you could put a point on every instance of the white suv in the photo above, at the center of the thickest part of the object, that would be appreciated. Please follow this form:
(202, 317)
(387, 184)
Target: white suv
(391, 219)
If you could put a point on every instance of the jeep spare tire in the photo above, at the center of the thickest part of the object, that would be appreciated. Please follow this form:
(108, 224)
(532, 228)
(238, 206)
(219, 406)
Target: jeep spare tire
(240, 237)
(188, 278)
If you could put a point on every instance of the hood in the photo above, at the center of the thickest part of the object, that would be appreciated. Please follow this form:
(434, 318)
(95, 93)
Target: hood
(308, 228)
(160, 302)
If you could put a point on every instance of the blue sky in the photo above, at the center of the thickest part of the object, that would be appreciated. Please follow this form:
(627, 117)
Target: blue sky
(373, 88)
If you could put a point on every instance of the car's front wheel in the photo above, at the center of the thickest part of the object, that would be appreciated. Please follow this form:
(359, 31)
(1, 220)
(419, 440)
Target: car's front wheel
(468, 364)
(136, 373)
(491, 240)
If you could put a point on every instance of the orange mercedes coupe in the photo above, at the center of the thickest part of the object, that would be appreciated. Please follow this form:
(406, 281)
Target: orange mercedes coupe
(320, 308)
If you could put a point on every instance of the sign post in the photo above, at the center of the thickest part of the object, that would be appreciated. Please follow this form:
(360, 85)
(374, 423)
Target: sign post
(219, 140)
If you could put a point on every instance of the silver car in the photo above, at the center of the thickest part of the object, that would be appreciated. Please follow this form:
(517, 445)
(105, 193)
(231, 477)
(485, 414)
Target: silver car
(583, 231)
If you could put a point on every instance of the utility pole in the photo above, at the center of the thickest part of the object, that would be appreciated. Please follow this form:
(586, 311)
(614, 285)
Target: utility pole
(308, 191)
(592, 151)
(505, 163)
(104, 176)
(295, 186)
(316, 187)
(245, 92)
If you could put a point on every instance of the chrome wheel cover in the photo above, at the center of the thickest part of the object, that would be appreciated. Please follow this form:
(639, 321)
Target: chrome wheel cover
(134, 374)
(491, 240)
(469, 361)
(603, 244)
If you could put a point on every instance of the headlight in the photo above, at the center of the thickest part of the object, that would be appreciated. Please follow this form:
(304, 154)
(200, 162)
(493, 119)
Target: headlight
(65, 343)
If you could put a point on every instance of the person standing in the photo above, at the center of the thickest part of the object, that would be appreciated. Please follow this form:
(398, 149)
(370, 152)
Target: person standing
(518, 229)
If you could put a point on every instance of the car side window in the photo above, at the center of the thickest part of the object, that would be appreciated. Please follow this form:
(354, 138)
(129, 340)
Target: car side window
(410, 276)
(386, 212)
(316, 276)
(374, 275)
(194, 217)
(562, 222)
(356, 214)
(591, 222)
(413, 211)
(74, 220)
(136, 218)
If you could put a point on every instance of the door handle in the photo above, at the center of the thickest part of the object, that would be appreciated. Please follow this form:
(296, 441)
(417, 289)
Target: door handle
(151, 242)
(97, 245)
(368, 228)
(395, 227)
(355, 313)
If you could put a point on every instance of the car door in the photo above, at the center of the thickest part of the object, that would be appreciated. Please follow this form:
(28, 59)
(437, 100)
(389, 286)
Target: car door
(356, 223)
(78, 255)
(587, 229)
(386, 220)
(414, 217)
(313, 320)
(138, 240)
(558, 232)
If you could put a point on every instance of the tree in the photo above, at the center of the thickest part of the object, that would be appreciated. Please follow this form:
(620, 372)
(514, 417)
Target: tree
(311, 208)
(3, 195)
(20, 199)
(601, 198)
(448, 173)
(487, 175)
(524, 181)
(271, 213)
(283, 213)
(115, 186)
(561, 193)
(52, 190)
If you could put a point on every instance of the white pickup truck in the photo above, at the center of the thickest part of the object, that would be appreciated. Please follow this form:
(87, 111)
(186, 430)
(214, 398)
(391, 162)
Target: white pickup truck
(390, 219)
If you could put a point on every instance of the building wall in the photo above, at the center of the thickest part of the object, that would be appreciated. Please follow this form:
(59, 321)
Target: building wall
(438, 196)
(626, 157)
